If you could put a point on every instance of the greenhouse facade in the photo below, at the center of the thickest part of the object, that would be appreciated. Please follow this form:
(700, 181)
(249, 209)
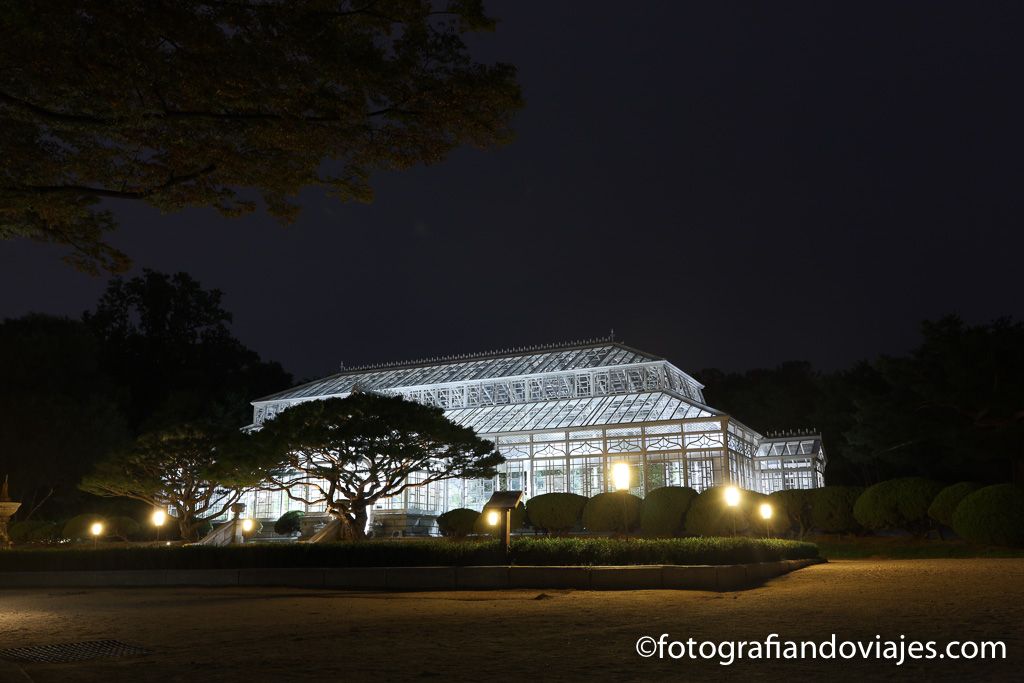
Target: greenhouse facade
(562, 415)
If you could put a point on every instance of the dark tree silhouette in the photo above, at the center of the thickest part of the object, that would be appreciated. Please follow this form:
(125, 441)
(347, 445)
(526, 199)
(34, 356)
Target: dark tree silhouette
(350, 452)
(167, 341)
(184, 103)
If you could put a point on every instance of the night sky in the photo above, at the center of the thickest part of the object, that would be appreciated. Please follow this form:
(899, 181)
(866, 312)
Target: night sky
(727, 185)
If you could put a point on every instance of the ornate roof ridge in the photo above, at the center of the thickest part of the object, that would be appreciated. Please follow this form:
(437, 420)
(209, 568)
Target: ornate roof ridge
(480, 355)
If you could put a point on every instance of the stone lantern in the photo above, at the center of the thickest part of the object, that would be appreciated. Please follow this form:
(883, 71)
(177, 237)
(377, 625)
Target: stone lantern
(7, 508)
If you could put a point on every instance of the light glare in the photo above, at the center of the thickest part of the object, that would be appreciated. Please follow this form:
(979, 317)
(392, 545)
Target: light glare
(620, 476)
(766, 511)
(493, 517)
(96, 529)
(247, 525)
(732, 496)
(159, 517)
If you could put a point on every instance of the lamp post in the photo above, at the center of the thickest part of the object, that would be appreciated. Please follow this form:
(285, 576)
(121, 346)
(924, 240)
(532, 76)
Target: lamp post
(96, 529)
(732, 499)
(498, 510)
(158, 518)
(620, 477)
(766, 515)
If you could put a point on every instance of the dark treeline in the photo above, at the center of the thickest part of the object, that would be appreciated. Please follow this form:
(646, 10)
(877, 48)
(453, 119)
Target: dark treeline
(952, 409)
(156, 351)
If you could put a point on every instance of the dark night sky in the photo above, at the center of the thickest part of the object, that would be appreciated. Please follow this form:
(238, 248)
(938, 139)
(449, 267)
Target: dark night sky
(724, 184)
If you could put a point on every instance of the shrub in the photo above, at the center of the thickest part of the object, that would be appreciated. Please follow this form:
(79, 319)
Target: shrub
(122, 527)
(897, 504)
(427, 552)
(664, 511)
(993, 515)
(944, 505)
(710, 516)
(556, 512)
(457, 523)
(518, 521)
(608, 511)
(33, 531)
(78, 528)
(832, 508)
(289, 523)
(792, 510)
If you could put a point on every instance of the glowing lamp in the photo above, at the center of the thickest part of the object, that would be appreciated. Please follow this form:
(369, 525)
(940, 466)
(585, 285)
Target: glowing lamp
(159, 517)
(620, 476)
(493, 517)
(96, 529)
(247, 525)
(732, 496)
(766, 511)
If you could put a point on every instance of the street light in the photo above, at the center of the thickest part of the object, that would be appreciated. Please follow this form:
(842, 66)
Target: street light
(96, 529)
(159, 517)
(732, 499)
(766, 515)
(247, 525)
(493, 518)
(620, 478)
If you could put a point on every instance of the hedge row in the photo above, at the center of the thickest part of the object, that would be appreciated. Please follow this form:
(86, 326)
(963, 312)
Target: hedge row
(434, 552)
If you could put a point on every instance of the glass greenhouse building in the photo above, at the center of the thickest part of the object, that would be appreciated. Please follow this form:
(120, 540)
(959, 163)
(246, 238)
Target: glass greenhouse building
(561, 416)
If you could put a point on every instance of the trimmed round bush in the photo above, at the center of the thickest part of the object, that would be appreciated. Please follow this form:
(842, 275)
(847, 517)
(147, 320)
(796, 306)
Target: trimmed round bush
(122, 527)
(944, 505)
(992, 515)
(710, 516)
(518, 521)
(792, 510)
(78, 528)
(289, 523)
(457, 523)
(556, 512)
(832, 509)
(897, 504)
(664, 511)
(607, 512)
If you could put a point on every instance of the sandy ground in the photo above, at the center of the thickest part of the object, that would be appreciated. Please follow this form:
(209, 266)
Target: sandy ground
(257, 635)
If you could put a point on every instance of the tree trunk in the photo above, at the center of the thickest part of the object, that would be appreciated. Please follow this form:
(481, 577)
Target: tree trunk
(353, 523)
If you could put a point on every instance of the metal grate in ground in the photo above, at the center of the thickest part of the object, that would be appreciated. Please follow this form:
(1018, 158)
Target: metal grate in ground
(73, 652)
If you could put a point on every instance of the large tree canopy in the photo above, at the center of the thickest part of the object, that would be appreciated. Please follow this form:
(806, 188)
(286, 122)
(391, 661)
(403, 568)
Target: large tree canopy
(194, 469)
(183, 103)
(350, 452)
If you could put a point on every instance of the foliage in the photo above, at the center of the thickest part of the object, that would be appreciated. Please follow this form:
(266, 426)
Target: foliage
(289, 523)
(992, 515)
(167, 341)
(61, 412)
(197, 470)
(79, 527)
(616, 511)
(556, 512)
(945, 503)
(710, 516)
(896, 504)
(123, 528)
(435, 552)
(457, 523)
(951, 408)
(792, 510)
(34, 531)
(350, 452)
(188, 103)
(664, 511)
(832, 508)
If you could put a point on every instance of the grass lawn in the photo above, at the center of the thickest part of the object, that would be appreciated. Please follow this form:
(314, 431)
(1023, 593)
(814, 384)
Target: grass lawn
(848, 547)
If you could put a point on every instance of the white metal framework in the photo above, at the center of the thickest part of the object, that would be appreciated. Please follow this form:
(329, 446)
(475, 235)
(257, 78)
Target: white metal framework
(561, 415)
(792, 461)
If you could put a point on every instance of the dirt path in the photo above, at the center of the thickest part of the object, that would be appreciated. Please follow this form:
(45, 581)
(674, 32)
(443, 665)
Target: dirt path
(257, 635)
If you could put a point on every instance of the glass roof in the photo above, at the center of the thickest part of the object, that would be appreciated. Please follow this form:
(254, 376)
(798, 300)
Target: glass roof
(793, 445)
(581, 412)
(483, 366)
